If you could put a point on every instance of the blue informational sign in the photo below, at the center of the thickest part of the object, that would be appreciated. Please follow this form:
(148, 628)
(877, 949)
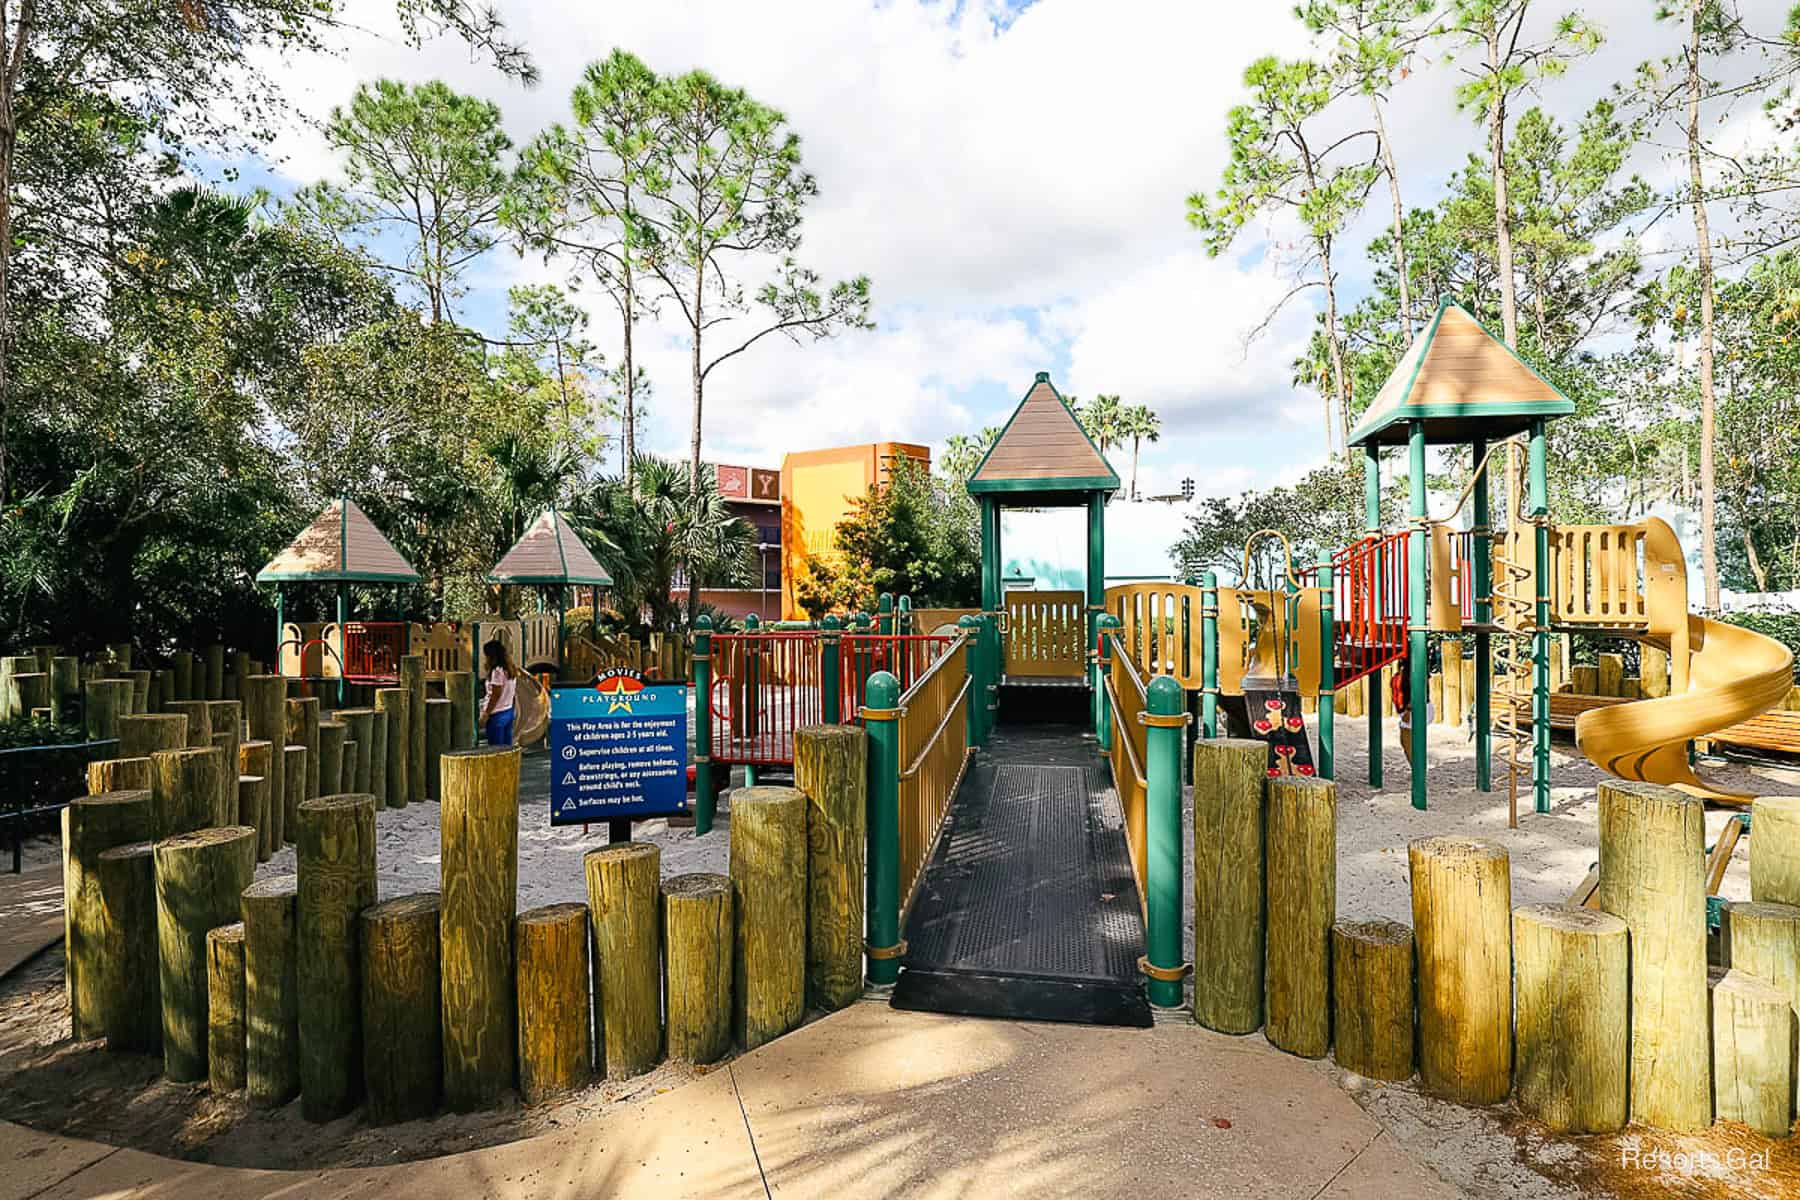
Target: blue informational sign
(618, 748)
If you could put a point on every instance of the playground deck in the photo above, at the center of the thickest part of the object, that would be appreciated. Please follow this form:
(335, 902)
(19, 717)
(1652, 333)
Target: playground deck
(1027, 908)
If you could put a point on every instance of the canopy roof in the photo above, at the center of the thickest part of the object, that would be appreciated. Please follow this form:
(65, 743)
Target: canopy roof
(1463, 383)
(341, 545)
(1043, 449)
(549, 552)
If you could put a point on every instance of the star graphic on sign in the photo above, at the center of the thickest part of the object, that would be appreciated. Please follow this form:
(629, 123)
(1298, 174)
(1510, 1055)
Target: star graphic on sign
(620, 689)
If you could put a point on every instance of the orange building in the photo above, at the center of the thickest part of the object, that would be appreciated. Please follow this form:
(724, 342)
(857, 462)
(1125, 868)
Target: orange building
(818, 488)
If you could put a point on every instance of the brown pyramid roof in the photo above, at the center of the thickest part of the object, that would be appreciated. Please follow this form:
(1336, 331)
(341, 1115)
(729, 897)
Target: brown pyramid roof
(549, 552)
(342, 545)
(1043, 448)
(1463, 383)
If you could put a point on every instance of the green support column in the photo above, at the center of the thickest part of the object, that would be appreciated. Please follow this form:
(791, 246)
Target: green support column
(1540, 638)
(993, 608)
(1417, 546)
(752, 688)
(1103, 730)
(343, 622)
(884, 615)
(903, 616)
(1162, 821)
(831, 669)
(881, 718)
(706, 796)
(1209, 650)
(1096, 584)
(1327, 672)
(1372, 682)
(1483, 584)
(974, 710)
(280, 624)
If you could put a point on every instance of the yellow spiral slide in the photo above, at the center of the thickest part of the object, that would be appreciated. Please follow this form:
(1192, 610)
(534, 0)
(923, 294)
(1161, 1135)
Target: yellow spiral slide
(1722, 674)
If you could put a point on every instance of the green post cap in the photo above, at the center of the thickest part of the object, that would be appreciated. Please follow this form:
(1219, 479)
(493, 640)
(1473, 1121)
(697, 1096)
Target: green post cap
(831, 622)
(1163, 696)
(1043, 377)
(751, 622)
(887, 602)
(883, 690)
(703, 622)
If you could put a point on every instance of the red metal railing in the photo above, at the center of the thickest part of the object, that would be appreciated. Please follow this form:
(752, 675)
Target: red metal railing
(767, 685)
(1370, 602)
(373, 649)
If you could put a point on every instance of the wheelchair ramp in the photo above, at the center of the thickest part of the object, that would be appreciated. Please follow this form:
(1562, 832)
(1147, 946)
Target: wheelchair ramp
(1027, 909)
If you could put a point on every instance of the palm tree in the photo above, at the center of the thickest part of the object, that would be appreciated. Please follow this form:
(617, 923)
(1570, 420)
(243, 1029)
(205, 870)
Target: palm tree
(1100, 418)
(1139, 424)
(963, 453)
(533, 476)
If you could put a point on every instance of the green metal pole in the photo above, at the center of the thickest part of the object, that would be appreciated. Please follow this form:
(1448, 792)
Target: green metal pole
(752, 687)
(1540, 638)
(1372, 682)
(880, 718)
(973, 710)
(343, 622)
(1209, 663)
(1103, 730)
(1483, 583)
(1096, 589)
(831, 670)
(1162, 865)
(1416, 547)
(706, 796)
(903, 616)
(1327, 672)
(280, 624)
(884, 612)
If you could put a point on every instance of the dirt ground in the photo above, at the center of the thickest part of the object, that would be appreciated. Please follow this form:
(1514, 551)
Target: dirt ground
(79, 1090)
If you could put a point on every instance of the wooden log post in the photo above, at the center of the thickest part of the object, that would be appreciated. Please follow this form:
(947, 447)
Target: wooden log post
(265, 716)
(831, 769)
(459, 689)
(412, 678)
(253, 808)
(241, 669)
(1652, 874)
(1763, 940)
(1302, 884)
(1462, 931)
(225, 804)
(293, 782)
(144, 734)
(140, 691)
(1775, 849)
(352, 756)
(90, 826)
(30, 692)
(331, 757)
(199, 720)
(1611, 674)
(376, 755)
(214, 681)
(437, 744)
(768, 878)
(1653, 670)
(1752, 1052)
(11, 665)
(361, 723)
(271, 991)
(1372, 998)
(403, 1051)
(225, 1009)
(1230, 782)
(106, 701)
(392, 702)
(118, 774)
(303, 730)
(257, 757)
(199, 877)
(554, 1049)
(226, 717)
(130, 982)
(1572, 1025)
(625, 914)
(335, 853)
(185, 787)
(1585, 679)
(480, 873)
(1451, 667)
(65, 684)
(697, 951)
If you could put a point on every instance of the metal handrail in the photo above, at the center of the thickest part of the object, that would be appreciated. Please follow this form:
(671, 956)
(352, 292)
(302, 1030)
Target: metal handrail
(937, 664)
(938, 732)
(1119, 722)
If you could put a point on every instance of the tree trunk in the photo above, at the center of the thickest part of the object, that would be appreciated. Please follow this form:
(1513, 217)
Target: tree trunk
(303, 730)
(271, 991)
(412, 678)
(1302, 881)
(1572, 1026)
(1340, 382)
(697, 951)
(335, 853)
(1372, 998)
(1775, 854)
(1752, 1052)
(185, 787)
(118, 774)
(624, 910)
(1462, 930)
(199, 877)
(831, 768)
(403, 1047)
(437, 744)
(693, 580)
(394, 702)
(1503, 251)
(143, 735)
(554, 1008)
(768, 877)
(130, 982)
(225, 1009)
(1709, 546)
(1230, 776)
(1392, 170)
(1652, 874)
(480, 873)
(90, 826)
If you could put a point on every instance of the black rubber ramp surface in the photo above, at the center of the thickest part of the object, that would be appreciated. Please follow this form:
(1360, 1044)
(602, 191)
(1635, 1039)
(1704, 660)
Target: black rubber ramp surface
(1028, 909)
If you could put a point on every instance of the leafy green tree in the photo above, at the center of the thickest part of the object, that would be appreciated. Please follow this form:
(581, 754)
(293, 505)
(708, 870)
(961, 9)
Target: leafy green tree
(1282, 161)
(1139, 424)
(423, 163)
(1320, 514)
(549, 352)
(916, 536)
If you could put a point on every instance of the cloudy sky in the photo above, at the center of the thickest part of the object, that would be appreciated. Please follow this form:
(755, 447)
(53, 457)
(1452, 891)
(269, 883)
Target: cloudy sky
(1012, 180)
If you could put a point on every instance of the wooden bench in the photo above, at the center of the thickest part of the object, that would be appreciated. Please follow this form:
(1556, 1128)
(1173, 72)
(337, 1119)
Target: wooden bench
(1778, 731)
(1565, 707)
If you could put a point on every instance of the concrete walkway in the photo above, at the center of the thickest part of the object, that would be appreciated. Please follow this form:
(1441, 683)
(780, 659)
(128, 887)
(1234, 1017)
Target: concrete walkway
(31, 914)
(872, 1102)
